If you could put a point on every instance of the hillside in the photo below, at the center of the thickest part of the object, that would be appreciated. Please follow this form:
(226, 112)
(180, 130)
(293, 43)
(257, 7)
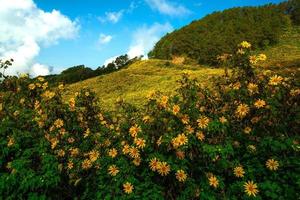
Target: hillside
(203, 40)
(138, 80)
(134, 83)
(287, 52)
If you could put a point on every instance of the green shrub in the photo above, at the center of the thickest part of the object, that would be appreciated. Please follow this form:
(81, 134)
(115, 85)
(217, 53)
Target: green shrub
(236, 140)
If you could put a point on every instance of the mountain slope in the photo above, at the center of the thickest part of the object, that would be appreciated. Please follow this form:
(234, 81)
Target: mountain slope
(138, 80)
(203, 40)
(134, 83)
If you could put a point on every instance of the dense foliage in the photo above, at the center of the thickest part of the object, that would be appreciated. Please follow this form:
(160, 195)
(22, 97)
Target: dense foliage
(218, 33)
(292, 7)
(237, 140)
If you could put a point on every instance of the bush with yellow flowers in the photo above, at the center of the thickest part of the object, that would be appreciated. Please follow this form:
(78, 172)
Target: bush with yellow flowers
(236, 140)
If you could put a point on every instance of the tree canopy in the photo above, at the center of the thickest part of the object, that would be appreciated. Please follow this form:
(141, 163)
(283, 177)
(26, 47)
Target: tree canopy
(219, 32)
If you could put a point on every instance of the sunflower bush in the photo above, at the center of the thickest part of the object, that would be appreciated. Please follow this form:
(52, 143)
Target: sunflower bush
(237, 140)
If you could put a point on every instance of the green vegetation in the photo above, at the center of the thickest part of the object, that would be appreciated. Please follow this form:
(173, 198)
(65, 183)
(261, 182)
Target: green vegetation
(238, 139)
(218, 33)
(207, 135)
(139, 79)
(81, 72)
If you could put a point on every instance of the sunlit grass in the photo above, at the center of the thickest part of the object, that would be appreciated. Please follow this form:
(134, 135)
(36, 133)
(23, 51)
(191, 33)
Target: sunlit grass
(285, 56)
(138, 80)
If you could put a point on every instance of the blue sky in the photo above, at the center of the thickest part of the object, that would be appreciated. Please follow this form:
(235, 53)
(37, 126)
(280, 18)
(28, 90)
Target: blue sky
(90, 32)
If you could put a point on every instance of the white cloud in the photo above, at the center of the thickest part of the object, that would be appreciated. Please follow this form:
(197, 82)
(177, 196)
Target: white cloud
(39, 69)
(104, 39)
(145, 38)
(112, 17)
(109, 60)
(25, 29)
(168, 8)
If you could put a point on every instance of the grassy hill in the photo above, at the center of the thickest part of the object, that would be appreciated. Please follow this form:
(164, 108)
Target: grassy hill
(285, 56)
(138, 80)
(134, 83)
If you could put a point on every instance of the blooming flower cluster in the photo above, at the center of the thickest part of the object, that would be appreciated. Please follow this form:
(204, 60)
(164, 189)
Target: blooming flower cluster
(236, 140)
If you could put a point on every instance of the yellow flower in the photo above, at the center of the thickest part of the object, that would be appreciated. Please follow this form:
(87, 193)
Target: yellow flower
(87, 94)
(203, 122)
(126, 149)
(10, 142)
(70, 165)
(134, 152)
(253, 60)
(239, 171)
(236, 86)
(86, 133)
(48, 95)
(185, 119)
(260, 103)
(223, 120)
(261, 57)
(275, 80)
(164, 101)
(252, 88)
(295, 92)
(181, 175)
(137, 161)
(245, 45)
(86, 164)
(176, 109)
(38, 85)
(140, 142)
(252, 148)
(200, 136)
(61, 153)
(54, 142)
(213, 181)
(41, 79)
(61, 86)
(254, 120)
(134, 130)
(74, 152)
(59, 123)
(158, 142)
(45, 85)
(153, 164)
(240, 51)
(72, 103)
(242, 110)
(247, 130)
(189, 129)
(163, 168)
(71, 140)
(251, 188)
(113, 152)
(22, 101)
(272, 164)
(31, 86)
(180, 140)
(113, 170)
(93, 155)
(128, 187)
(180, 155)
(146, 119)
